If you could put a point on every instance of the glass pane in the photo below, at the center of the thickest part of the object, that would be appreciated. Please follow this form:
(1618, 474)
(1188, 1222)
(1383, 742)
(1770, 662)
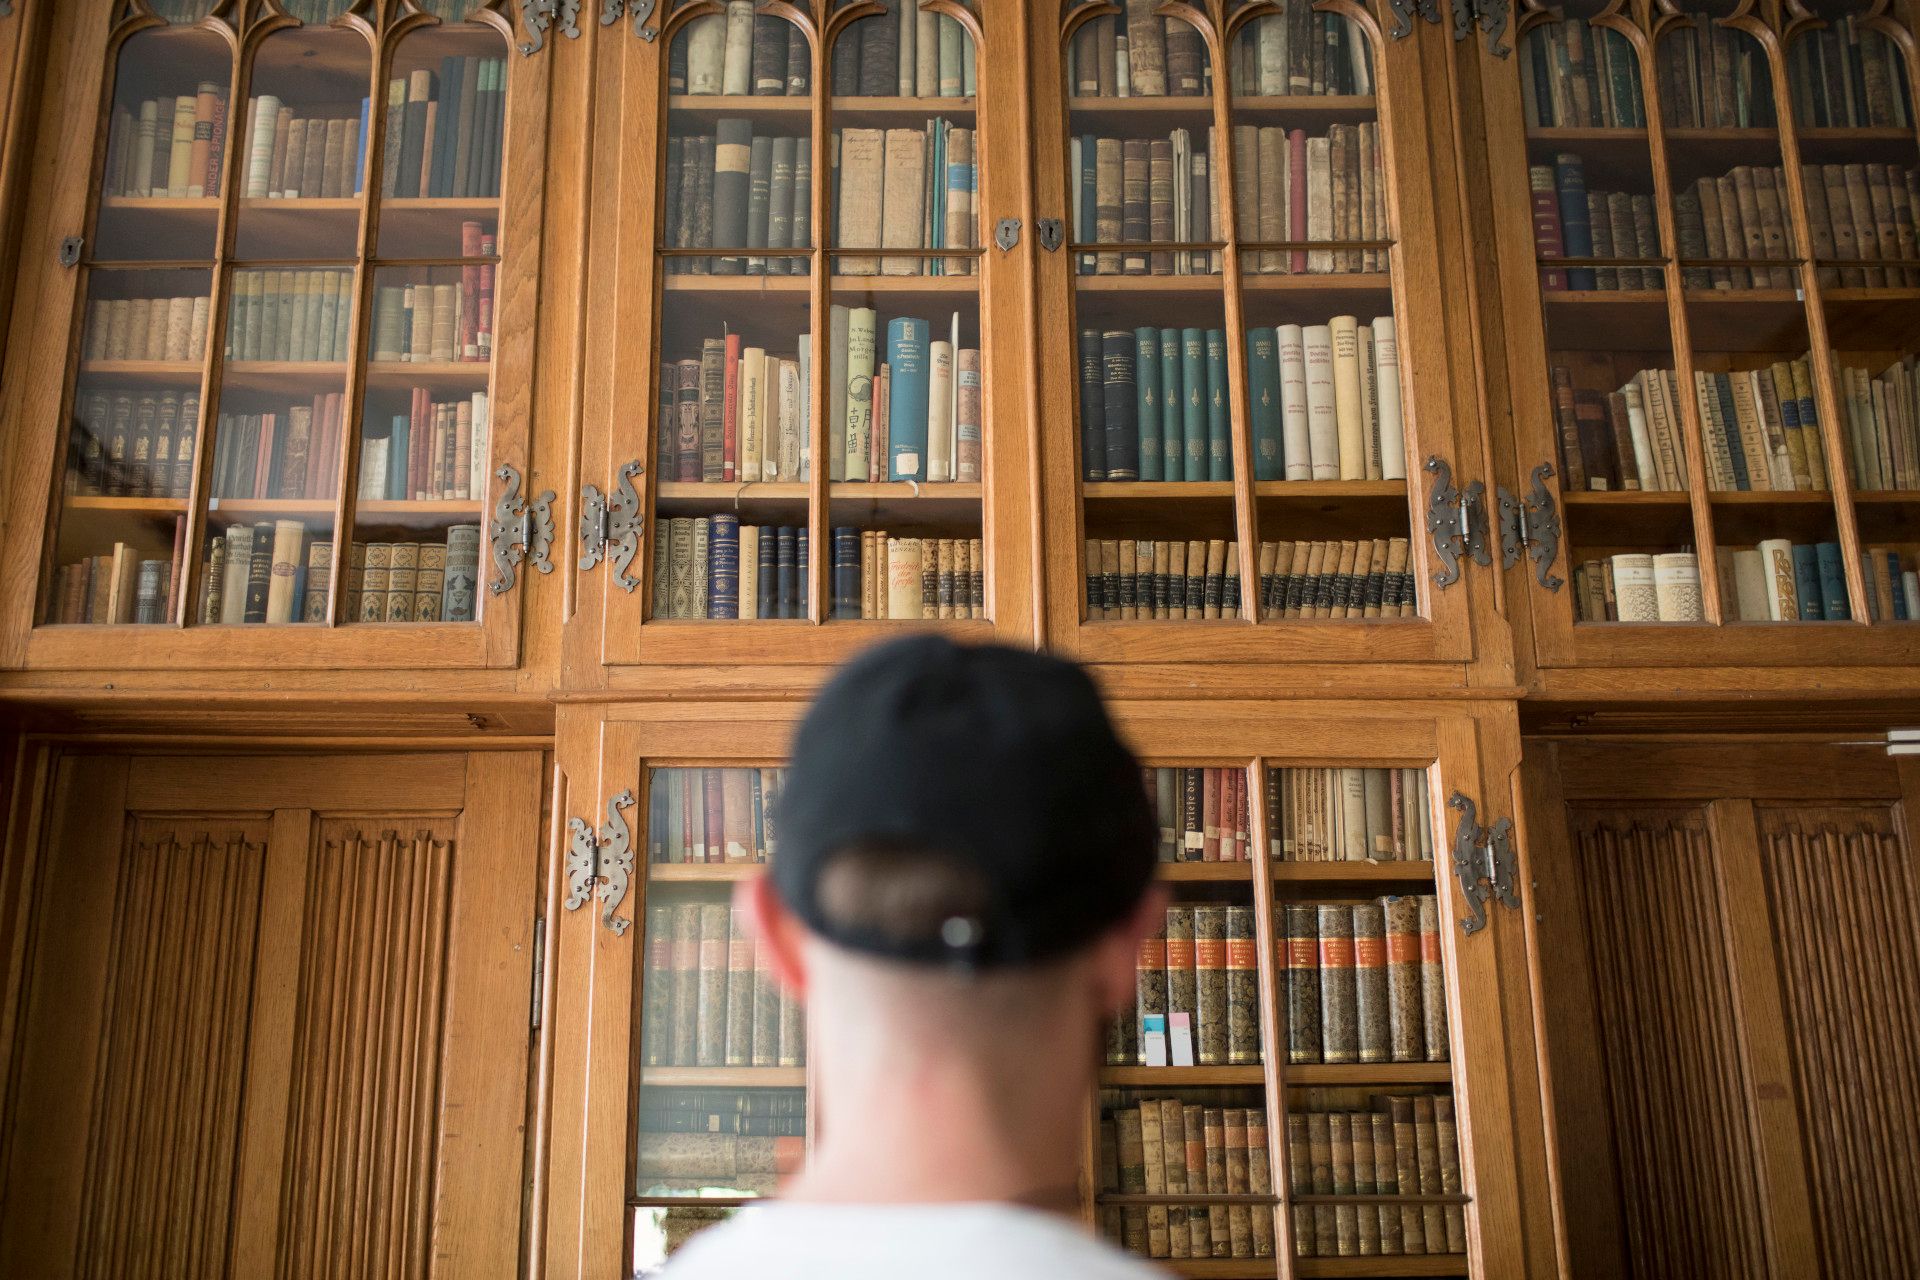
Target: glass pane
(305, 139)
(1198, 1141)
(165, 147)
(444, 132)
(1714, 77)
(1138, 54)
(131, 446)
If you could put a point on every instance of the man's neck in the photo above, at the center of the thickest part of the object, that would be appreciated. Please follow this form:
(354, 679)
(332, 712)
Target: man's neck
(921, 1125)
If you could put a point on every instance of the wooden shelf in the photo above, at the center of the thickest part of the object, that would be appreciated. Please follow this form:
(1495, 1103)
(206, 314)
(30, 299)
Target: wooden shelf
(1367, 1075)
(838, 285)
(377, 511)
(1871, 319)
(440, 374)
(723, 1077)
(1205, 872)
(879, 504)
(167, 372)
(1221, 1268)
(282, 375)
(1625, 497)
(1182, 1077)
(1769, 498)
(1186, 109)
(1405, 871)
(703, 872)
(1318, 284)
(1839, 143)
(208, 206)
(1885, 497)
(1418, 1264)
(129, 506)
(797, 109)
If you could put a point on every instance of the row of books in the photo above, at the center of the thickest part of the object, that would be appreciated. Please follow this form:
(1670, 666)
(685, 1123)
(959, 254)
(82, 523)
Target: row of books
(740, 52)
(1570, 221)
(436, 319)
(1161, 580)
(737, 414)
(1364, 981)
(1325, 403)
(1883, 424)
(756, 194)
(125, 445)
(168, 146)
(1573, 75)
(905, 189)
(1197, 993)
(434, 451)
(1135, 190)
(712, 566)
(1777, 581)
(1342, 813)
(444, 131)
(1760, 433)
(318, 152)
(880, 56)
(147, 328)
(275, 572)
(1713, 77)
(1144, 55)
(1289, 186)
(712, 815)
(1402, 1145)
(297, 314)
(1182, 1145)
(1201, 812)
(1864, 213)
(1842, 75)
(117, 587)
(876, 576)
(292, 452)
(1743, 213)
(1629, 438)
(1641, 587)
(1893, 586)
(1300, 52)
(709, 998)
(753, 1113)
(1367, 578)
(722, 1163)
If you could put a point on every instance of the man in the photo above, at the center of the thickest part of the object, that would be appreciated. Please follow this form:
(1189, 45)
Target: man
(963, 879)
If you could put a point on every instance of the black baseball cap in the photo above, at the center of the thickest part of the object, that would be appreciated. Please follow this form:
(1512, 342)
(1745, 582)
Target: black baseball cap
(1002, 761)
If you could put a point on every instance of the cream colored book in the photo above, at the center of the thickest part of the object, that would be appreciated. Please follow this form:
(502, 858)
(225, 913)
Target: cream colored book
(863, 178)
(1643, 464)
(748, 412)
(1292, 345)
(1386, 360)
(1676, 587)
(1349, 424)
(904, 216)
(288, 555)
(788, 411)
(706, 53)
(904, 595)
(1319, 202)
(859, 421)
(1776, 561)
(1635, 599)
(749, 571)
(1369, 400)
(940, 410)
(736, 60)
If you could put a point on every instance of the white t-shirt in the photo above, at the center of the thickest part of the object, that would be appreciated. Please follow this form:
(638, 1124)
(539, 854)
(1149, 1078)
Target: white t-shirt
(892, 1242)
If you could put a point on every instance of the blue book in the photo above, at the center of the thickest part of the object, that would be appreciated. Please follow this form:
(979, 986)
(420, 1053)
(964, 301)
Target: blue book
(1219, 434)
(907, 346)
(1723, 387)
(1193, 400)
(1900, 613)
(1833, 582)
(786, 567)
(1093, 408)
(846, 572)
(1576, 228)
(1173, 445)
(800, 569)
(1146, 391)
(1806, 582)
(1263, 404)
(360, 152)
(723, 567)
(1087, 234)
(397, 452)
(768, 605)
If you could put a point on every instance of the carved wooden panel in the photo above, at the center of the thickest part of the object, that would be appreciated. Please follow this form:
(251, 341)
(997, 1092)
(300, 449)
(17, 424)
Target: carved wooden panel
(160, 1153)
(363, 1117)
(1687, 1159)
(1846, 911)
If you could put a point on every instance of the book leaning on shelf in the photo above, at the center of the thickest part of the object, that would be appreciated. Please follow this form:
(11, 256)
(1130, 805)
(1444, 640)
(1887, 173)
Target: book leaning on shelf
(436, 451)
(444, 130)
(318, 152)
(290, 453)
(710, 998)
(1174, 1147)
(119, 586)
(903, 52)
(295, 314)
(1201, 812)
(1342, 813)
(1883, 425)
(173, 329)
(139, 446)
(169, 147)
(1573, 75)
(739, 52)
(1198, 987)
(1401, 1145)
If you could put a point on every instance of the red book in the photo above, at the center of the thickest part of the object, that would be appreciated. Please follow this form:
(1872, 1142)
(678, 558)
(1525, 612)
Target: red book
(1547, 239)
(1210, 815)
(471, 238)
(419, 443)
(730, 412)
(1233, 817)
(1297, 194)
(483, 313)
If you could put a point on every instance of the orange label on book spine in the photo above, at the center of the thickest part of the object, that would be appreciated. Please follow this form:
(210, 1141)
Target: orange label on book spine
(1153, 953)
(1180, 953)
(1369, 952)
(1303, 953)
(1212, 953)
(1336, 953)
(1404, 948)
(1430, 948)
(1240, 953)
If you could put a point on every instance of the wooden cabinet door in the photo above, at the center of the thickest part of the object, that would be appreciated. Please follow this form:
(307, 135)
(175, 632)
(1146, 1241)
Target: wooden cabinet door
(277, 1017)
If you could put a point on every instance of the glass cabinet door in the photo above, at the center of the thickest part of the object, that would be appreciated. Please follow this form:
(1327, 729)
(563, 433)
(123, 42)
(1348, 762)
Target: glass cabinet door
(1726, 330)
(282, 409)
(1244, 428)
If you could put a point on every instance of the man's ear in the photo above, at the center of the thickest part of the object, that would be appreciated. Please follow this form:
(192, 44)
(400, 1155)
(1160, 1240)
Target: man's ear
(777, 932)
(1116, 956)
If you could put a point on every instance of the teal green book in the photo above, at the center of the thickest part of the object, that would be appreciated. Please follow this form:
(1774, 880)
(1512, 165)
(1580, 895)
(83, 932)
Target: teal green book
(1806, 582)
(1193, 400)
(1219, 433)
(1146, 390)
(908, 338)
(1833, 582)
(1172, 410)
(1263, 403)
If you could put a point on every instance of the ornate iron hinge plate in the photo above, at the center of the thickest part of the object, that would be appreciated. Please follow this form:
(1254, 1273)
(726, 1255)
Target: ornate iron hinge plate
(539, 15)
(1456, 521)
(520, 530)
(1531, 523)
(610, 11)
(611, 525)
(1006, 233)
(1484, 863)
(601, 863)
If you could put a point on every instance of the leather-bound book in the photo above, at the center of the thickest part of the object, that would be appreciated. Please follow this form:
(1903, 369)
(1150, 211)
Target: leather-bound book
(1214, 1136)
(1151, 980)
(656, 1016)
(1173, 1153)
(1300, 1183)
(1211, 1031)
(1426, 1150)
(1340, 1039)
(1320, 1169)
(685, 1037)
(1181, 972)
(1131, 1153)
(1346, 1217)
(1239, 1217)
(1303, 983)
(1194, 1148)
(1243, 988)
(1154, 1151)
(1146, 49)
(1433, 982)
(710, 1048)
(1447, 1145)
(1406, 1035)
(1385, 1182)
(1413, 1231)
(1370, 986)
(740, 986)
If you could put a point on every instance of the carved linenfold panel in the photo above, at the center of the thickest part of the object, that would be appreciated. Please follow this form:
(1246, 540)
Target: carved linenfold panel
(362, 1120)
(1688, 1161)
(1844, 905)
(162, 1148)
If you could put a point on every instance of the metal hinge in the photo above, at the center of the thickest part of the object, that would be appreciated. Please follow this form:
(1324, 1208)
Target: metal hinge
(1006, 233)
(1531, 523)
(539, 15)
(611, 524)
(539, 969)
(642, 10)
(520, 530)
(1456, 521)
(601, 863)
(1483, 863)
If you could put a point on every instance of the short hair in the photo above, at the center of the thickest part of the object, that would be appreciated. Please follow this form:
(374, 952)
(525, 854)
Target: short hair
(900, 894)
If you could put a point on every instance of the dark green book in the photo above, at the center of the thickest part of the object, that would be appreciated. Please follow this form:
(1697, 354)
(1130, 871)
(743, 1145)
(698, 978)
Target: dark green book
(1193, 400)
(1146, 386)
(1219, 434)
(1833, 582)
(1172, 409)
(1263, 403)
(1093, 410)
(732, 169)
(1123, 439)
(759, 201)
